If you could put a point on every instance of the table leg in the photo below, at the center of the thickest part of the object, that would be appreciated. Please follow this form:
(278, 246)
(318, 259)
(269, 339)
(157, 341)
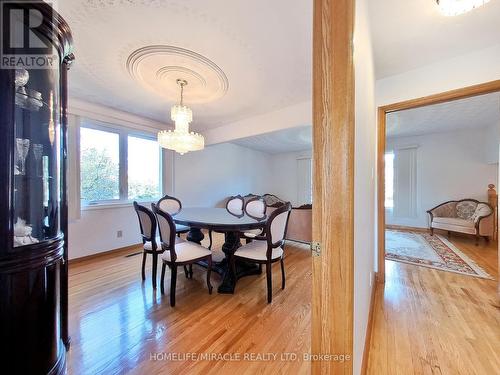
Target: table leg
(195, 235)
(231, 244)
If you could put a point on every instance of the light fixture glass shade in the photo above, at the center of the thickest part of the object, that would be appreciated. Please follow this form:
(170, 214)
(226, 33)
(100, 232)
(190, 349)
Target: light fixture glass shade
(181, 115)
(457, 7)
(181, 142)
(181, 139)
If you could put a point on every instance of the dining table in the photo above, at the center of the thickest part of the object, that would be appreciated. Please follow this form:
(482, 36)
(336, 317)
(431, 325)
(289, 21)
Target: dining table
(232, 225)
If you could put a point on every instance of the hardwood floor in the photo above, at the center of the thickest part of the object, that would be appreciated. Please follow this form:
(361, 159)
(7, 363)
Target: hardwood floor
(434, 322)
(118, 324)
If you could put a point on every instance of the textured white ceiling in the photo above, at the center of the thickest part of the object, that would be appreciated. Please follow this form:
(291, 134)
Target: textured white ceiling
(412, 33)
(476, 112)
(294, 139)
(262, 47)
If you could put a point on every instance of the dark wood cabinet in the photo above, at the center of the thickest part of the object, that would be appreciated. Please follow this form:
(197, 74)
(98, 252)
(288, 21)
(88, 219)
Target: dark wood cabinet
(33, 201)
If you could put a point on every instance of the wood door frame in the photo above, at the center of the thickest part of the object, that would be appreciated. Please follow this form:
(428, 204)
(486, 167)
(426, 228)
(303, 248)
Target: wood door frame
(333, 213)
(466, 92)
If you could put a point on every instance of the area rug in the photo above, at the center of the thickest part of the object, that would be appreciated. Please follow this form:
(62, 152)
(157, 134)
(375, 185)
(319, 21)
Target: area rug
(422, 249)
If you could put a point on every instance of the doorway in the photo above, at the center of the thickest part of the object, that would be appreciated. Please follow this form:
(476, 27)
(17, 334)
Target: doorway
(398, 176)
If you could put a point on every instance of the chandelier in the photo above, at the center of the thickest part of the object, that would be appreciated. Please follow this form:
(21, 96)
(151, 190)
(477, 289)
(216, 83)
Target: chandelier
(181, 139)
(456, 7)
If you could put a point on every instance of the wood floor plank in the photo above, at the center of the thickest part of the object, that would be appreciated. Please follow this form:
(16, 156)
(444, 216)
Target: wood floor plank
(428, 321)
(117, 322)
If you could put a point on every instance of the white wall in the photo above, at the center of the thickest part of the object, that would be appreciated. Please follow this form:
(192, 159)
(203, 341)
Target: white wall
(450, 166)
(284, 175)
(364, 181)
(96, 231)
(467, 70)
(205, 178)
(491, 141)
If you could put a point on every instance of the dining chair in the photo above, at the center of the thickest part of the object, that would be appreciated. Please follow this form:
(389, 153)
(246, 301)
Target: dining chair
(268, 249)
(177, 252)
(173, 206)
(255, 208)
(235, 206)
(147, 224)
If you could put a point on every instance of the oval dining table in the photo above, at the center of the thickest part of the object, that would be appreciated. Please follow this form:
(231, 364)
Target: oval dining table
(221, 220)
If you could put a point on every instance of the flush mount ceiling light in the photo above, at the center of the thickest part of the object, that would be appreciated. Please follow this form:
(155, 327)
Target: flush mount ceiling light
(181, 139)
(457, 7)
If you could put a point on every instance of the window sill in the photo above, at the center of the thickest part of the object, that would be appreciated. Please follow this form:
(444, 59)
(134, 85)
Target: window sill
(107, 206)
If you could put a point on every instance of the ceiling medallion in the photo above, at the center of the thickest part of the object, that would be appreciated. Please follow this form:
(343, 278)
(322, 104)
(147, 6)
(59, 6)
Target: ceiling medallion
(157, 68)
(181, 139)
(457, 7)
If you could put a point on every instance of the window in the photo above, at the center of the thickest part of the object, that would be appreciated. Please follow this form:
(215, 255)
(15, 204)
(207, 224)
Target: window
(389, 180)
(99, 165)
(304, 181)
(143, 168)
(117, 165)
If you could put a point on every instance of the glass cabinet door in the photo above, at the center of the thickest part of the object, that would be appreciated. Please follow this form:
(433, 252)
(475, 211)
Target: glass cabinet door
(37, 156)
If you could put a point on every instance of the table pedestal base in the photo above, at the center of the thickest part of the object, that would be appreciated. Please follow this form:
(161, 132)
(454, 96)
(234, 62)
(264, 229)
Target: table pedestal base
(231, 244)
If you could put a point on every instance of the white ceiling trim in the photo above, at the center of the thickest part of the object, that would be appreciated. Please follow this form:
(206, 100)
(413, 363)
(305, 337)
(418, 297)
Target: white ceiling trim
(110, 115)
(289, 117)
(285, 118)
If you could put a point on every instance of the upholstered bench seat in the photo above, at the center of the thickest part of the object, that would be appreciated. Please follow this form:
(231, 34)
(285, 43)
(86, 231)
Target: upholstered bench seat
(454, 224)
(467, 216)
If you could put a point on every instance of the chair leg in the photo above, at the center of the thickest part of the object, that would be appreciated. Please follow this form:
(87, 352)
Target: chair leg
(186, 272)
(155, 268)
(209, 272)
(191, 271)
(269, 283)
(477, 240)
(210, 237)
(248, 240)
(143, 271)
(162, 280)
(173, 282)
(282, 273)
(178, 234)
(432, 231)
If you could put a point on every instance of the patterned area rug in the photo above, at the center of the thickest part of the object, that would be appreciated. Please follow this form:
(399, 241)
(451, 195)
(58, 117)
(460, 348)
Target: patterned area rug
(422, 249)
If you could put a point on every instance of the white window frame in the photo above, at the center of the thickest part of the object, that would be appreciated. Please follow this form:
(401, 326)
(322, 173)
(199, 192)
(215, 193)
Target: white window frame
(123, 134)
(389, 208)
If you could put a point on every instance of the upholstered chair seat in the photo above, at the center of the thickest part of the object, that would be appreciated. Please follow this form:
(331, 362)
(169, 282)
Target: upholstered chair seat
(148, 245)
(187, 251)
(257, 250)
(269, 248)
(177, 252)
(252, 233)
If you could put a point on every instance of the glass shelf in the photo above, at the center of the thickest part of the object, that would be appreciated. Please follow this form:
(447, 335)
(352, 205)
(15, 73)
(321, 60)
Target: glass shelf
(37, 158)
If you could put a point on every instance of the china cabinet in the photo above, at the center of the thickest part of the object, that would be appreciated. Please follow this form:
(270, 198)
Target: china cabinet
(33, 207)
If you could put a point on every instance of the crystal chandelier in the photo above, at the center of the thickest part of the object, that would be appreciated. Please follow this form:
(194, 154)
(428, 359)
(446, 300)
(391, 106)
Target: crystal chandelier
(181, 139)
(456, 7)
